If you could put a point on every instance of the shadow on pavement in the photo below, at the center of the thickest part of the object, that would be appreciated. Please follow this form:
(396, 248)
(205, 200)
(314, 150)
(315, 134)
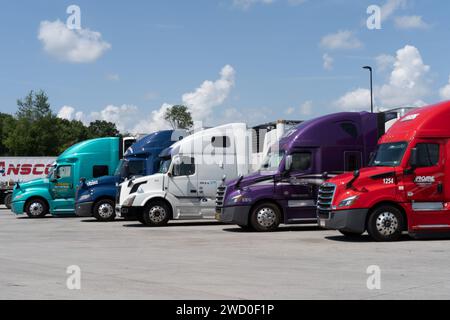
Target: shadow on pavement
(281, 229)
(362, 239)
(176, 224)
(48, 217)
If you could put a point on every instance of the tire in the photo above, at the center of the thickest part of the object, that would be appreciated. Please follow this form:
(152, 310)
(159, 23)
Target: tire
(7, 201)
(36, 208)
(350, 234)
(386, 224)
(156, 214)
(140, 218)
(265, 217)
(104, 210)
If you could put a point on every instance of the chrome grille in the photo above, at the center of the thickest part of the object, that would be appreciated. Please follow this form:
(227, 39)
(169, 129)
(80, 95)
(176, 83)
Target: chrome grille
(220, 196)
(325, 198)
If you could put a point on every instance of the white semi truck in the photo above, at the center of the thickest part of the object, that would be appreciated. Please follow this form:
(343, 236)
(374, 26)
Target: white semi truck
(192, 169)
(21, 169)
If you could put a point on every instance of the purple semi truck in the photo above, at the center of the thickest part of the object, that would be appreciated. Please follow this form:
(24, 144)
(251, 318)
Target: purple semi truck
(284, 190)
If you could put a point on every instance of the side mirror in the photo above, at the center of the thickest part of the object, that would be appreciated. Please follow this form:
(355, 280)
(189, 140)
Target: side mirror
(169, 174)
(83, 184)
(414, 158)
(124, 170)
(288, 163)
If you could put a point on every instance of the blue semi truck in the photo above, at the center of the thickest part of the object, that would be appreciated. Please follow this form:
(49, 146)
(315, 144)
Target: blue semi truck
(97, 197)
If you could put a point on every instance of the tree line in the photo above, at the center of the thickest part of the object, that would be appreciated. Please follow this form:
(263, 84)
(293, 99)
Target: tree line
(35, 130)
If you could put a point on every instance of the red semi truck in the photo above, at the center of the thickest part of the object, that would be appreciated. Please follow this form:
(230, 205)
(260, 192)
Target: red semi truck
(405, 188)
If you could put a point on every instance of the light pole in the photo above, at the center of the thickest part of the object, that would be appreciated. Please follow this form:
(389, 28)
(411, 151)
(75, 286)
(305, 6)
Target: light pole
(371, 87)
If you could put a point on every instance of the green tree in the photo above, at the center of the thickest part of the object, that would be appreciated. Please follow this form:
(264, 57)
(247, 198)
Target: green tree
(6, 123)
(35, 131)
(99, 129)
(70, 133)
(179, 117)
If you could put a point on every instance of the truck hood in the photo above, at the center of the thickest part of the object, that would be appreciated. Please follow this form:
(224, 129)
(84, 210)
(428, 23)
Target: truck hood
(37, 183)
(249, 180)
(366, 176)
(107, 180)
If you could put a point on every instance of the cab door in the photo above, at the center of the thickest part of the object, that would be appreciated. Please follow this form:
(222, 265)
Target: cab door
(297, 190)
(183, 184)
(62, 184)
(424, 187)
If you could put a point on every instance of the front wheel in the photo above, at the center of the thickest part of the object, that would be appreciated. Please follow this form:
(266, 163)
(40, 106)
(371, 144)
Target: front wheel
(8, 199)
(265, 217)
(36, 208)
(104, 210)
(156, 214)
(386, 224)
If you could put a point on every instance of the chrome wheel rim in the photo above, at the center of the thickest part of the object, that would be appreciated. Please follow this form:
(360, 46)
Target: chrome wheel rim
(266, 217)
(157, 214)
(105, 211)
(387, 224)
(36, 209)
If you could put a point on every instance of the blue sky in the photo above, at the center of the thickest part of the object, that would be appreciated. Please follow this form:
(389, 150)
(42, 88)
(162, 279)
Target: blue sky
(264, 59)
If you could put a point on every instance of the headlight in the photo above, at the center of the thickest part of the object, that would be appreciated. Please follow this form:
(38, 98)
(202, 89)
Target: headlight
(85, 197)
(348, 202)
(129, 201)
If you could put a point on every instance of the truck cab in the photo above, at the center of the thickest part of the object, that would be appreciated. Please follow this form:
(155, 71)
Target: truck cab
(404, 188)
(285, 189)
(97, 197)
(55, 194)
(190, 172)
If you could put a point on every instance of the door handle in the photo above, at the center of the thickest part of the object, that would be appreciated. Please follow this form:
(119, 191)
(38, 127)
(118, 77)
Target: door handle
(193, 191)
(440, 187)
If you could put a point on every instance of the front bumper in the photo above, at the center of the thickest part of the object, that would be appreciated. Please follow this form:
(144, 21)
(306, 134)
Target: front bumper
(344, 220)
(130, 213)
(17, 207)
(234, 215)
(84, 209)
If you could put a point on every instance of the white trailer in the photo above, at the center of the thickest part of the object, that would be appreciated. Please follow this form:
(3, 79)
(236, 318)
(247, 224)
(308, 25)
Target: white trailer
(21, 169)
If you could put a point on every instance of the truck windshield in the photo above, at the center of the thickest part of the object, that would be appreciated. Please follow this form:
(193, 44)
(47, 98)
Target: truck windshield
(389, 155)
(135, 168)
(272, 160)
(164, 165)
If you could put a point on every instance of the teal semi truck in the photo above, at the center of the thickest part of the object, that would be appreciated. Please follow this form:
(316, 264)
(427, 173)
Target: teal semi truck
(55, 194)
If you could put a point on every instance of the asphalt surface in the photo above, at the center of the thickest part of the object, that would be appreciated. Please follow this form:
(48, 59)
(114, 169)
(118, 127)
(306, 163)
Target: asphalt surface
(206, 260)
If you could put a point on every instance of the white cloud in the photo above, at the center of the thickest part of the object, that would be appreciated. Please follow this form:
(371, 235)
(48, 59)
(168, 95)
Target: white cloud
(410, 22)
(123, 116)
(390, 7)
(306, 109)
(444, 92)
(245, 4)
(356, 100)
(408, 85)
(210, 94)
(343, 39)
(290, 111)
(327, 62)
(129, 118)
(113, 77)
(69, 113)
(76, 46)
(385, 62)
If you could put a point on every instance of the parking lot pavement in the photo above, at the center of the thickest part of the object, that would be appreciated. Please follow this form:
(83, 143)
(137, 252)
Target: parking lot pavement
(198, 260)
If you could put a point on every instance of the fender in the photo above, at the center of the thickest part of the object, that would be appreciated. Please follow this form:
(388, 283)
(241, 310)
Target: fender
(35, 192)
